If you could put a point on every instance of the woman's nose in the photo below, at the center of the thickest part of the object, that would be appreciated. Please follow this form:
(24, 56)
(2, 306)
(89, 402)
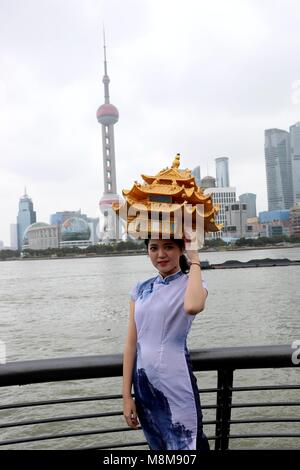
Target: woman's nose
(161, 253)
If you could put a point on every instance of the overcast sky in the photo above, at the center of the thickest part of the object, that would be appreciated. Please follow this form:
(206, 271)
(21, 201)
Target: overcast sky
(203, 78)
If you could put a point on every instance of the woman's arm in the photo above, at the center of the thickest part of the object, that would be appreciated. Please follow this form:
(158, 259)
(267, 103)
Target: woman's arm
(195, 294)
(129, 409)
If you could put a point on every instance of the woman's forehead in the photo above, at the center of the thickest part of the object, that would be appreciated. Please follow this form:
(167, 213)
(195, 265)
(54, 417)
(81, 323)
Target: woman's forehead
(161, 242)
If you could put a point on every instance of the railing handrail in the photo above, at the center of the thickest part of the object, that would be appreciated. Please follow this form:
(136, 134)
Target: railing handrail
(88, 367)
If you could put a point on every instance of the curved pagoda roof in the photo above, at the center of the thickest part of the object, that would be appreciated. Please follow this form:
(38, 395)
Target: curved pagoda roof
(170, 191)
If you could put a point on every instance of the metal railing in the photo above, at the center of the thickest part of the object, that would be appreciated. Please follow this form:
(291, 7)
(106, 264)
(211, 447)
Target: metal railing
(222, 360)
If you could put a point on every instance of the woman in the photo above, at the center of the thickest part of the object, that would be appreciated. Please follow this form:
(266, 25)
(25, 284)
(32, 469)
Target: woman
(156, 359)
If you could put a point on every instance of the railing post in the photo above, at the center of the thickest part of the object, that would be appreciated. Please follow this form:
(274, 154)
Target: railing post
(223, 415)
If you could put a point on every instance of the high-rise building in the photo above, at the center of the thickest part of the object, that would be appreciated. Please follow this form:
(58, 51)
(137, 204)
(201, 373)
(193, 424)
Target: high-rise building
(294, 220)
(208, 182)
(197, 174)
(223, 197)
(295, 160)
(108, 116)
(60, 217)
(250, 200)
(26, 216)
(222, 172)
(278, 169)
(236, 221)
(14, 236)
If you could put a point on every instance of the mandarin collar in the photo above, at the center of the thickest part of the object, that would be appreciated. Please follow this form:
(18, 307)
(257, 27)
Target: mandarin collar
(168, 279)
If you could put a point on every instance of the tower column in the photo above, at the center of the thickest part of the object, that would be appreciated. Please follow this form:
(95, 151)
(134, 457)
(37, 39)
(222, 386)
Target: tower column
(109, 161)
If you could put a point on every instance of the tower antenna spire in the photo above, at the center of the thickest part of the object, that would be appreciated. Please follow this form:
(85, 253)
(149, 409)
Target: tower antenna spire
(105, 77)
(104, 47)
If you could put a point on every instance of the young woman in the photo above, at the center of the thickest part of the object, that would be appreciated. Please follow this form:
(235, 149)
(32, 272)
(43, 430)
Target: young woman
(156, 359)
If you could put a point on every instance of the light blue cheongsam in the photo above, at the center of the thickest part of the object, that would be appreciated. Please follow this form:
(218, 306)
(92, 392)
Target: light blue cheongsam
(166, 393)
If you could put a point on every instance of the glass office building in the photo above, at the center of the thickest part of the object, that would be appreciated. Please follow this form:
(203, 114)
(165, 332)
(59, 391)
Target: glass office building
(278, 169)
(26, 216)
(295, 160)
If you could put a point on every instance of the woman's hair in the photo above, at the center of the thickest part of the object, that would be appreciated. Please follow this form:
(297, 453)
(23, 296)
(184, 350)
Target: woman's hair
(183, 262)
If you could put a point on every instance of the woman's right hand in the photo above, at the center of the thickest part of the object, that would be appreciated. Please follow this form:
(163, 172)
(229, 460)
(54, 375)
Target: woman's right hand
(129, 412)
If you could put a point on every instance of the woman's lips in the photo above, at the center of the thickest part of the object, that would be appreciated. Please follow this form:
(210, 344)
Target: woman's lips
(162, 263)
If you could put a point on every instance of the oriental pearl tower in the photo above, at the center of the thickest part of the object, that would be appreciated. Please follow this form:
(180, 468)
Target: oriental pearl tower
(108, 116)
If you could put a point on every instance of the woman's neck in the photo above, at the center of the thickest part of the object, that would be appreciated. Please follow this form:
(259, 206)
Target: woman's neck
(169, 273)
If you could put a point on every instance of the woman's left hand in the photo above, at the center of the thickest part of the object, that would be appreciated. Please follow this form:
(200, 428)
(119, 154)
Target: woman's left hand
(191, 244)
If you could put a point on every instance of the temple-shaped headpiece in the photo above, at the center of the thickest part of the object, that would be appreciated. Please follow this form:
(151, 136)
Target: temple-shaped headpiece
(165, 198)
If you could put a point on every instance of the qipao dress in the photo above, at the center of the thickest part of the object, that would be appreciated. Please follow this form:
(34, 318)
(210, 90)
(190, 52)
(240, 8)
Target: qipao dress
(166, 392)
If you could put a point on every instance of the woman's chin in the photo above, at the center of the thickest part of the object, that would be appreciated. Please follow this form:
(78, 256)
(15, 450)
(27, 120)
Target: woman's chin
(167, 269)
(163, 267)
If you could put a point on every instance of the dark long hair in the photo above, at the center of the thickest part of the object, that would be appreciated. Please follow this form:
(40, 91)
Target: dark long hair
(183, 262)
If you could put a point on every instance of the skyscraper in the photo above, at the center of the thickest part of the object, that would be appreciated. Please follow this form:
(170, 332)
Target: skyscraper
(236, 220)
(278, 169)
(208, 182)
(60, 217)
(222, 197)
(26, 216)
(108, 116)
(295, 160)
(250, 200)
(222, 172)
(14, 236)
(197, 174)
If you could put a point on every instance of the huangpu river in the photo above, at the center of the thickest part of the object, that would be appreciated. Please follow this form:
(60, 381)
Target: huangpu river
(79, 307)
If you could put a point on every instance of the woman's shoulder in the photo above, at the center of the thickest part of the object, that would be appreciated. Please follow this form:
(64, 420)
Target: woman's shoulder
(141, 286)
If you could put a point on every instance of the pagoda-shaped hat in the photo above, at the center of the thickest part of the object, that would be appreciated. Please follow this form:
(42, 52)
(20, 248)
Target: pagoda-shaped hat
(165, 202)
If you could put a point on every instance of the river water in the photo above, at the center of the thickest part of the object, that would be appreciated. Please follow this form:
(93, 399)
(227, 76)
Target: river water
(78, 307)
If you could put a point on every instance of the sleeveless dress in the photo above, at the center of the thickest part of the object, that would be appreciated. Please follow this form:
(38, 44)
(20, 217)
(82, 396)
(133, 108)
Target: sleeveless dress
(166, 393)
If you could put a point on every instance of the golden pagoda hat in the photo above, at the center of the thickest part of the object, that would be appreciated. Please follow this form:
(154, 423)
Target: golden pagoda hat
(164, 203)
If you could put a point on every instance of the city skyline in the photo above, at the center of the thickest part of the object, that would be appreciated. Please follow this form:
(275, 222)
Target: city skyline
(201, 84)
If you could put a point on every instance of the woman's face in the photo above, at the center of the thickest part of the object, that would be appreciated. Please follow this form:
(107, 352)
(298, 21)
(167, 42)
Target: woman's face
(164, 255)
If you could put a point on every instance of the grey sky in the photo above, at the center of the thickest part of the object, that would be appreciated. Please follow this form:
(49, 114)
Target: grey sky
(200, 78)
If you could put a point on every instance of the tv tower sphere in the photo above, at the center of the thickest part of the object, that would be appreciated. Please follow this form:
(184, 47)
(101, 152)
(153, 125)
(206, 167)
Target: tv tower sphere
(107, 114)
